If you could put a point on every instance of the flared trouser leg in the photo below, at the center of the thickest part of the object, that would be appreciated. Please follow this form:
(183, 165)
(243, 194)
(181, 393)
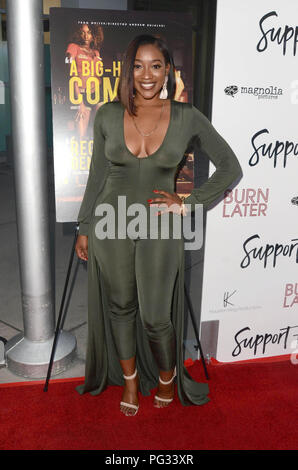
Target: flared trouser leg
(116, 259)
(156, 272)
(142, 273)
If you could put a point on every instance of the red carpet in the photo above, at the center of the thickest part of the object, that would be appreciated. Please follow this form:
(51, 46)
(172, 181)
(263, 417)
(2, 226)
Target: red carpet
(252, 406)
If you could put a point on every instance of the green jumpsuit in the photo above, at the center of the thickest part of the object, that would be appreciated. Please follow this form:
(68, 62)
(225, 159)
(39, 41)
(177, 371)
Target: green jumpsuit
(136, 284)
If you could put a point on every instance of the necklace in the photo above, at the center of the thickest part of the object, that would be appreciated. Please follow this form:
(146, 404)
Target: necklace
(146, 135)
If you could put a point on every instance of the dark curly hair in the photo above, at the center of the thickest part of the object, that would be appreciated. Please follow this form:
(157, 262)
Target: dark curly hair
(97, 36)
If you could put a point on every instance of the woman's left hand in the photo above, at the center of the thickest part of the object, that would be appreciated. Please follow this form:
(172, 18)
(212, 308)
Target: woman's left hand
(169, 199)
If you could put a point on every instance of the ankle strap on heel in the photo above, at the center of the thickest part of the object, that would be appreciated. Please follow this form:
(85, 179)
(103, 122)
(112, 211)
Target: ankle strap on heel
(131, 377)
(168, 381)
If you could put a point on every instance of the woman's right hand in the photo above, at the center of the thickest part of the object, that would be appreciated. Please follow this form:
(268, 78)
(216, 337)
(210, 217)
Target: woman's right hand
(82, 247)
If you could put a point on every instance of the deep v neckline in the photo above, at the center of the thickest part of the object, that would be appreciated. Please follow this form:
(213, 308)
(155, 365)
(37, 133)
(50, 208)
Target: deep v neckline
(161, 145)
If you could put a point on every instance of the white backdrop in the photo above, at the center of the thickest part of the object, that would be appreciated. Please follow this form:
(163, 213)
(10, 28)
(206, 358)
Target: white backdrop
(250, 282)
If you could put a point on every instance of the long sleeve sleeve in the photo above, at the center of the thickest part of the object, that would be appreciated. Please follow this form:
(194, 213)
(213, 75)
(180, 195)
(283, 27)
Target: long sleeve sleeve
(97, 174)
(227, 167)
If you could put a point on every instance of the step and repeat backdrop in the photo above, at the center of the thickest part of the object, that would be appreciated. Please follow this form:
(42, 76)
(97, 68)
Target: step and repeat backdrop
(250, 283)
(249, 304)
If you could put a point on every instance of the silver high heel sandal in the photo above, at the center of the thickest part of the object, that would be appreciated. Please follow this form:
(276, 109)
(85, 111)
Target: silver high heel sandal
(130, 405)
(166, 400)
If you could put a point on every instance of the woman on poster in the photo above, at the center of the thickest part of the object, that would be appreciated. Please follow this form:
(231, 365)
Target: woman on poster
(85, 47)
(136, 284)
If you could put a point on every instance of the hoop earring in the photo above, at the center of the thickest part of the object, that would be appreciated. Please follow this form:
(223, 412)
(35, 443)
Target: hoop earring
(164, 91)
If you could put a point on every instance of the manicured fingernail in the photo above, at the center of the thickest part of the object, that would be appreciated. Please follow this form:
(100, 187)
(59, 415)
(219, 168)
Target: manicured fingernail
(155, 191)
(149, 200)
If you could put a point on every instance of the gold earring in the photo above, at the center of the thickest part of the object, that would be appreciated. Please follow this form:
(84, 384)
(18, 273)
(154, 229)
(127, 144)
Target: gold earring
(164, 91)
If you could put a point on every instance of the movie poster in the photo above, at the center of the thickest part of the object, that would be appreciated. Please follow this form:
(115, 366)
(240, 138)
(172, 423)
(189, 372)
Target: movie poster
(86, 53)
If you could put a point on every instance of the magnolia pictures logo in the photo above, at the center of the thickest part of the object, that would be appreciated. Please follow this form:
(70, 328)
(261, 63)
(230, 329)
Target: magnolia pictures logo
(270, 92)
(231, 90)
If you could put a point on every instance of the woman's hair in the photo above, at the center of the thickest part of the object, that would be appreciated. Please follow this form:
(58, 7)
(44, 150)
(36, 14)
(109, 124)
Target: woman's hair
(97, 36)
(125, 92)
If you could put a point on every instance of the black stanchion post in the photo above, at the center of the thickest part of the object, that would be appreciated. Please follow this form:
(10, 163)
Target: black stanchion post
(196, 331)
(57, 331)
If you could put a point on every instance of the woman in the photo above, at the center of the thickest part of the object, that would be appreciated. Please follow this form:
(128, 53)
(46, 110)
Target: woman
(136, 283)
(84, 49)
